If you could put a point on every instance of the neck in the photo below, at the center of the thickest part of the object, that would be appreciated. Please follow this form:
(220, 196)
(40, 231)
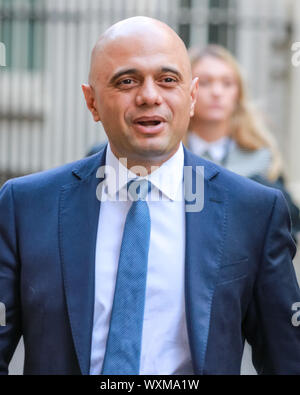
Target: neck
(210, 130)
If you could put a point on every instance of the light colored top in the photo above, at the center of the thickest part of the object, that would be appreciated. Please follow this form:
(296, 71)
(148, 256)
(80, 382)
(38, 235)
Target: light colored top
(165, 348)
(244, 162)
(216, 150)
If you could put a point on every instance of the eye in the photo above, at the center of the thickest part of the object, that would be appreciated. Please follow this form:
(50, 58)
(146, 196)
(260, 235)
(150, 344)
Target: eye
(127, 81)
(203, 83)
(169, 79)
(228, 83)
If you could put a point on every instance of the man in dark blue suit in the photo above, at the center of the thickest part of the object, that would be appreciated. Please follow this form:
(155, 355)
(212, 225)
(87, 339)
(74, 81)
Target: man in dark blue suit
(216, 275)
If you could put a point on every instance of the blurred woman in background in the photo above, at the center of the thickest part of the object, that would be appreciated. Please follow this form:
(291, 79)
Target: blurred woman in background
(227, 130)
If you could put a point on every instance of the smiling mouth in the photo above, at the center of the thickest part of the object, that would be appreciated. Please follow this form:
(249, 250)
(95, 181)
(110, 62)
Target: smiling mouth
(148, 123)
(149, 126)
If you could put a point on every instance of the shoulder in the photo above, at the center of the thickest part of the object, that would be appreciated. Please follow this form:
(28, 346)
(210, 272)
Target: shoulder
(52, 180)
(95, 148)
(249, 163)
(258, 153)
(238, 187)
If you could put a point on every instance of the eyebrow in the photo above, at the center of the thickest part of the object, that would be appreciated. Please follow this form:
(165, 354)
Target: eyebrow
(136, 71)
(172, 70)
(122, 72)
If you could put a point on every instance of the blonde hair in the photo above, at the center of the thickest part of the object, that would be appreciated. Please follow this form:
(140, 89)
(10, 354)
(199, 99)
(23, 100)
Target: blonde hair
(247, 126)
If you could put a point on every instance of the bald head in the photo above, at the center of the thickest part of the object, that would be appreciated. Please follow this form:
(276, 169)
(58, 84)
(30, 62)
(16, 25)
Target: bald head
(147, 31)
(141, 89)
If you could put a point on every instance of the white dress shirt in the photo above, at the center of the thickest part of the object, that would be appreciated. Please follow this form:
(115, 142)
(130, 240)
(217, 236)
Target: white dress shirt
(165, 348)
(216, 149)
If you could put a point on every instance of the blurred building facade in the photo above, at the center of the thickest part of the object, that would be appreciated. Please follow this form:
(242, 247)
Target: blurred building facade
(43, 119)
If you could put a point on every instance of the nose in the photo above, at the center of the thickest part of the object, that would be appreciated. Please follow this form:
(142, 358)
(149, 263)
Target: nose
(148, 93)
(217, 88)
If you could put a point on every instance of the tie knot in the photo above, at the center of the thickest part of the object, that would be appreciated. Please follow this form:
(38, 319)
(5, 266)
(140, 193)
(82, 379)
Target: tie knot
(138, 189)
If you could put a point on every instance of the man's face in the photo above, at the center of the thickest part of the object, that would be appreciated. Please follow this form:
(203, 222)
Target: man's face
(143, 94)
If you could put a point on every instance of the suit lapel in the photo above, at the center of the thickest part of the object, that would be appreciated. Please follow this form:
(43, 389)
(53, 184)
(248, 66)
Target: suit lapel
(205, 232)
(78, 223)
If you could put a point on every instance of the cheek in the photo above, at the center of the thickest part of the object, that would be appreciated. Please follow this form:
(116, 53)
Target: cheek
(174, 105)
(114, 112)
(111, 102)
(232, 98)
(203, 96)
(184, 109)
(201, 103)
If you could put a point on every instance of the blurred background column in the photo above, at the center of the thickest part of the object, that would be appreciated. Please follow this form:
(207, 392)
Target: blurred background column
(294, 137)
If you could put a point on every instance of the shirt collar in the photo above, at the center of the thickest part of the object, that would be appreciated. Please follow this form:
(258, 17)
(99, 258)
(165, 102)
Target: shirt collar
(167, 178)
(216, 149)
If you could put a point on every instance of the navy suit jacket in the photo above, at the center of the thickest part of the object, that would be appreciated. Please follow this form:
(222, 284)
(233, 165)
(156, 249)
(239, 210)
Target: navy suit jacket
(239, 277)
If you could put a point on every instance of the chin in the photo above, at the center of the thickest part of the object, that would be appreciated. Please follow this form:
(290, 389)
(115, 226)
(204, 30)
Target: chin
(216, 117)
(154, 150)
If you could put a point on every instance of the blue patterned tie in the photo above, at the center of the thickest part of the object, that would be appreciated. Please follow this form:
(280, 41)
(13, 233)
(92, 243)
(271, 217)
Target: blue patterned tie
(123, 347)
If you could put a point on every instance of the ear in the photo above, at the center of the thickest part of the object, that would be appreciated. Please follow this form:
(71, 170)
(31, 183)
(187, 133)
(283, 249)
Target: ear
(90, 101)
(194, 94)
